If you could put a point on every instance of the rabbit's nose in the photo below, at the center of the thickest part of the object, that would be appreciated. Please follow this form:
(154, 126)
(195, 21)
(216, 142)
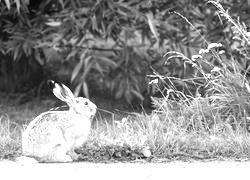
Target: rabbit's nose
(93, 109)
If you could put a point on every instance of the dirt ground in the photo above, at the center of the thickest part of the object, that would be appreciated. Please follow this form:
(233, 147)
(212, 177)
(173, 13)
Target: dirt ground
(84, 170)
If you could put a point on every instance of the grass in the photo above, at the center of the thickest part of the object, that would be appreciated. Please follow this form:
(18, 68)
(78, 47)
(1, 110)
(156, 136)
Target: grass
(178, 134)
(10, 138)
(149, 137)
(213, 126)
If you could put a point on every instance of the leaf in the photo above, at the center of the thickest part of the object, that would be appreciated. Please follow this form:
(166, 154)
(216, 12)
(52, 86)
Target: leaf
(73, 53)
(120, 91)
(27, 2)
(128, 96)
(85, 89)
(86, 61)
(78, 66)
(94, 23)
(98, 68)
(16, 53)
(76, 70)
(137, 94)
(87, 67)
(129, 33)
(18, 5)
(38, 58)
(248, 2)
(126, 54)
(152, 26)
(53, 23)
(170, 27)
(107, 61)
(7, 2)
(77, 90)
(62, 4)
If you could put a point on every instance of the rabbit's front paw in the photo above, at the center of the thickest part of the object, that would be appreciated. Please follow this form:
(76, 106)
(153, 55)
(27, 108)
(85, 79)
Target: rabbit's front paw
(65, 159)
(74, 156)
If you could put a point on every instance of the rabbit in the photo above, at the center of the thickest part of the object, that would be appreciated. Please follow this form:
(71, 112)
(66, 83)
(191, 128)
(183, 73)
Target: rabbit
(53, 135)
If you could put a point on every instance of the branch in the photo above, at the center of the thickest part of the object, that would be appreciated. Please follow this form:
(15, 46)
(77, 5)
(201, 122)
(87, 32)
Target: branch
(91, 48)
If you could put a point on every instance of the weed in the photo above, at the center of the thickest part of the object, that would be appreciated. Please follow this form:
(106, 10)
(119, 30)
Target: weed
(10, 138)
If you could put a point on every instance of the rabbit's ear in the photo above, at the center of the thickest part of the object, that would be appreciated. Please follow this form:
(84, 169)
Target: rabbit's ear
(61, 91)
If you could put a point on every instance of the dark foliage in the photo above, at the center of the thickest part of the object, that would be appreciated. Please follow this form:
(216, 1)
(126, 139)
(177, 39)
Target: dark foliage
(110, 45)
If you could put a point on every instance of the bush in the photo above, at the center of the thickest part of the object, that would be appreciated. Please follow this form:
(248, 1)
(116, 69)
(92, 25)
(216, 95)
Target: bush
(114, 44)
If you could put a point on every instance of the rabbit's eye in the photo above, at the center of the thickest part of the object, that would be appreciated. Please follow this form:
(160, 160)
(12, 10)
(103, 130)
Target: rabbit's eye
(86, 103)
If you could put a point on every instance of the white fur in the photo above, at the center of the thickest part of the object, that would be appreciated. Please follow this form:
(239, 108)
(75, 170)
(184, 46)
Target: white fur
(52, 136)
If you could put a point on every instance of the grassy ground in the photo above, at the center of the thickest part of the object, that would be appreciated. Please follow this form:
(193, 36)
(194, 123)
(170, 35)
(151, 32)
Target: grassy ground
(215, 126)
(175, 130)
